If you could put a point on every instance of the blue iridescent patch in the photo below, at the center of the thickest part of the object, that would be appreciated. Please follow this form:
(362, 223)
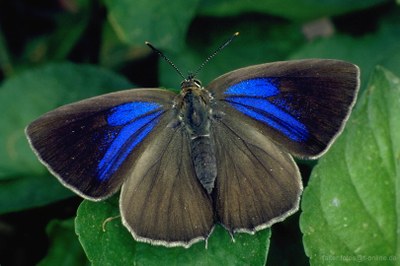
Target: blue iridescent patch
(250, 98)
(132, 122)
(124, 113)
(257, 87)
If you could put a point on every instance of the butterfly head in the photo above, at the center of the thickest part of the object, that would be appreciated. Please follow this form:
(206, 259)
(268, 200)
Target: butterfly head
(190, 83)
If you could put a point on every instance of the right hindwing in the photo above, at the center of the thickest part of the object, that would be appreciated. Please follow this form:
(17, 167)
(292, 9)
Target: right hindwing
(257, 184)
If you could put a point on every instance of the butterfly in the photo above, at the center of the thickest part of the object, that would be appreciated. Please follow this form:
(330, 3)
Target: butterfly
(215, 154)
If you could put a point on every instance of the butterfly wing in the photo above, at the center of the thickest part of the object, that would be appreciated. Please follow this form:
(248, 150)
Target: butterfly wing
(91, 145)
(299, 106)
(302, 105)
(162, 202)
(258, 184)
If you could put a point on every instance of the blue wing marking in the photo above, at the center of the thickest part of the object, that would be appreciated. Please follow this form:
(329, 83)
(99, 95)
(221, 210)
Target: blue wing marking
(258, 87)
(250, 97)
(124, 113)
(132, 123)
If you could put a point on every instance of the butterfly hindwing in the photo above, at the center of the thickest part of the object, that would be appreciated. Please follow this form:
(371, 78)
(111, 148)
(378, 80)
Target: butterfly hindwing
(302, 104)
(91, 145)
(162, 202)
(258, 184)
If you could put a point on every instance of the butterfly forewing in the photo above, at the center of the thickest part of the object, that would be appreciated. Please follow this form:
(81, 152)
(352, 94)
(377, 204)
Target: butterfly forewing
(91, 145)
(301, 105)
(162, 201)
(258, 184)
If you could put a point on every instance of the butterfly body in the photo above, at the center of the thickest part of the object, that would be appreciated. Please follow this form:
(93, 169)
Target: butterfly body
(195, 114)
(218, 154)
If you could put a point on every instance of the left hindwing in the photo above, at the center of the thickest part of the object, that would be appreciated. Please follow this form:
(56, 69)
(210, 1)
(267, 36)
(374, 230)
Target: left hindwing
(91, 145)
(301, 105)
(162, 202)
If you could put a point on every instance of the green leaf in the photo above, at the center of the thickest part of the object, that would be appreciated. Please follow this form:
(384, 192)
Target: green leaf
(291, 9)
(351, 204)
(392, 63)
(23, 192)
(366, 51)
(115, 54)
(65, 248)
(39, 91)
(115, 245)
(160, 22)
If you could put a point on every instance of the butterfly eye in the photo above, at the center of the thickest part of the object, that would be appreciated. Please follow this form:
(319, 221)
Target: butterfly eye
(197, 83)
(190, 83)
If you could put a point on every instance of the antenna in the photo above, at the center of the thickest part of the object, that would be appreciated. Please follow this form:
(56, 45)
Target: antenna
(191, 76)
(215, 53)
(166, 59)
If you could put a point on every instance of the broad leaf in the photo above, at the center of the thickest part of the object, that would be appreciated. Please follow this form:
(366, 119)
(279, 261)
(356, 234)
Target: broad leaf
(351, 205)
(160, 22)
(115, 246)
(291, 9)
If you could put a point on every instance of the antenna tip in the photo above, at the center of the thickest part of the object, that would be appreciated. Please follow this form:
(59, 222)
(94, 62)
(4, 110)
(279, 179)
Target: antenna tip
(151, 46)
(236, 33)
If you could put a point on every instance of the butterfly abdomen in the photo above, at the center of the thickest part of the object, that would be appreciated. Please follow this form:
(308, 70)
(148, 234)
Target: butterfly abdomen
(204, 161)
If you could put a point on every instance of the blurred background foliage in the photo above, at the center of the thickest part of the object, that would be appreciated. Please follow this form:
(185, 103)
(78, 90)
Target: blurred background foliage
(57, 52)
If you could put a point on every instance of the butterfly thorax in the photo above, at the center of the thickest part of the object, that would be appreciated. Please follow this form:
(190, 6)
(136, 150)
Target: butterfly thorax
(193, 105)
